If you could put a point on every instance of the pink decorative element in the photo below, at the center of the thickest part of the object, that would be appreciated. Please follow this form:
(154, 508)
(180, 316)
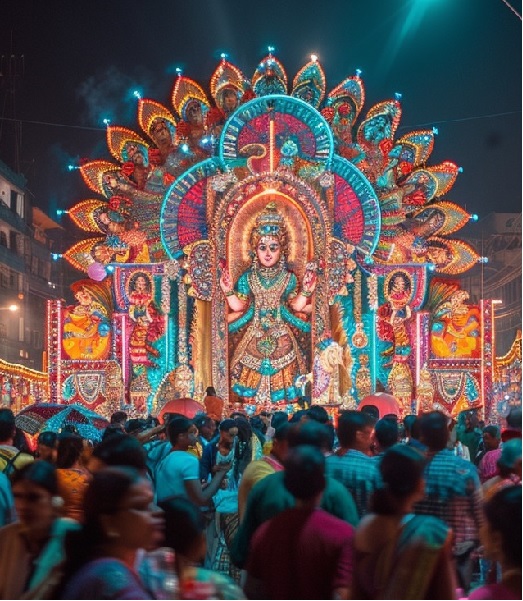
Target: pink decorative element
(96, 271)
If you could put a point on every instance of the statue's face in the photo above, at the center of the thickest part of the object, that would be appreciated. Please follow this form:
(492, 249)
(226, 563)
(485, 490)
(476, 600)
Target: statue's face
(268, 251)
(160, 133)
(83, 297)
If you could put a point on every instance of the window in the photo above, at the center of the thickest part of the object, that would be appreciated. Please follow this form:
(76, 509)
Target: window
(36, 339)
(21, 329)
(17, 203)
(3, 239)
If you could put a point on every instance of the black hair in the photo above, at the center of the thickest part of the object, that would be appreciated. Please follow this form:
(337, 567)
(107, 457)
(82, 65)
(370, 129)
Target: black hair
(69, 449)
(184, 522)
(118, 417)
(304, 471)
(47, 438)
(7, 424)
(124, 450)
(401, 470)
(227, 424)
(493, 430)
(371, 410)
(513, 418)
(41, 473)
(311, 433)
(176, 426)
(386, 432)
(113, 430)
(350, 422)
(503, 513)
(104, 496)
(433, 428)
(318, 413)
(282, 431)
(279, 417)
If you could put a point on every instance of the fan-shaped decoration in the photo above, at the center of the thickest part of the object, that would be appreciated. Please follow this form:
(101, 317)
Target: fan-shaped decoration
(356, 209)
(381, 122)
(309, 83)
(350, 90)
(98, 175)
(86, 215)
(451, 256)
(278, 124)
(227, 77)
(149, 111)
(123, 144)
(183, 211)
(187, 90)
(454, 217)
(80, 255)
(416, 148)
(270, 77)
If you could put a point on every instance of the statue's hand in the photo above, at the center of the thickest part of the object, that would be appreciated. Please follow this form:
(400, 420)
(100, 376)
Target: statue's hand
(309, 280)
(226, 281)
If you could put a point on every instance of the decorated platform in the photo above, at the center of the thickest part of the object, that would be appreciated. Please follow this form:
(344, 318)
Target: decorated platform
(278, 240)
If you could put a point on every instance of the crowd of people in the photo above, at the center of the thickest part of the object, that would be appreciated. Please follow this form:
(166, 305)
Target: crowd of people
(273, 506)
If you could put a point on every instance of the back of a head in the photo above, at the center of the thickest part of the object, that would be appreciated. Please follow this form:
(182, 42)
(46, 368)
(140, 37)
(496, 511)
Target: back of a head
(118, 417)
(493, 431)
(176, 426)
(281, 432)
(503, 513)
(113, 430)
(184, 523)
(105, 494)
(41, 473)
(386, 433)
(433, 429)
(135, 425)
(48, 439)
(122, 450)
(408, 421)
(349, 423)
(510, 457)
(201, 420)
(513, 418)
(371, 410)
(7, 424)
(297, 416)
(309, 432)
(279, 417)
(304, 472)
(318, 413)
(69, 450)
(401, 471)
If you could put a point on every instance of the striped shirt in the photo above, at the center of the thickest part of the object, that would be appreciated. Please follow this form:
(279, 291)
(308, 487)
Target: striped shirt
(453, 494)
(359, 474)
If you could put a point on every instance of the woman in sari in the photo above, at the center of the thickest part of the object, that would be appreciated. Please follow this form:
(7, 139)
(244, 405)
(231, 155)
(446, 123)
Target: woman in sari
(399, 555)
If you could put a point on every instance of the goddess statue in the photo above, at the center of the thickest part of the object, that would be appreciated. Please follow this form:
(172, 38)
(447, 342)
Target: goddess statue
(264, 304)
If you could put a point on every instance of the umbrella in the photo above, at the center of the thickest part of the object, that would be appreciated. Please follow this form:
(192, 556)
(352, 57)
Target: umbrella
(55, 417)
(185, 406)
(385, 403)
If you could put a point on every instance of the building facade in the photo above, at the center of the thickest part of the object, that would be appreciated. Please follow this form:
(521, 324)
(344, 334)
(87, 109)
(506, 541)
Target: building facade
(28, 275)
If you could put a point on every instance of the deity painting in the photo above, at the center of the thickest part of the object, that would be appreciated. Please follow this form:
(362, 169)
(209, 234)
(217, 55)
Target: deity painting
(148, 323)
(394, 313)
(86, 326)
(456, 328)
(269, 309)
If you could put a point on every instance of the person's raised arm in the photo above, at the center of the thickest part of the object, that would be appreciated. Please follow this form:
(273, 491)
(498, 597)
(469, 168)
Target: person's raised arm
(201, 496)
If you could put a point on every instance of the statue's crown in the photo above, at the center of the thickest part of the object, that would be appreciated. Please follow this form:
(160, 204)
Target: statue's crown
(269, 222)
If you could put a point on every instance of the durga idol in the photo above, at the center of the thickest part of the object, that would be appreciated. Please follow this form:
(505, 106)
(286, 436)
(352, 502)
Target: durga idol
(264, 305)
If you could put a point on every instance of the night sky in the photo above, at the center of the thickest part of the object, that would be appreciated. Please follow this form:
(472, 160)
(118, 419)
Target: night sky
(457, 64)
